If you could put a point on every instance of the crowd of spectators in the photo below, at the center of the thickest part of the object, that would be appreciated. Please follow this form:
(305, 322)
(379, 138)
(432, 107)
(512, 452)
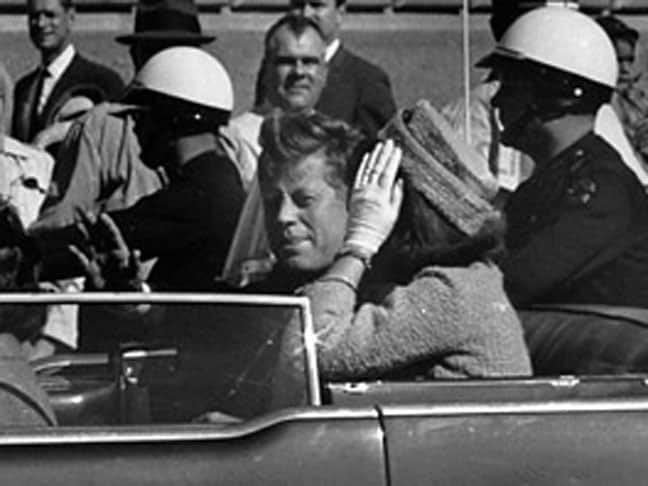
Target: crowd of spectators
(415, 248)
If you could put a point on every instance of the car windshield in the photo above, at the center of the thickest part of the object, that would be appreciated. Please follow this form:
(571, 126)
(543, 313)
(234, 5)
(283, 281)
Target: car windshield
(200, 356)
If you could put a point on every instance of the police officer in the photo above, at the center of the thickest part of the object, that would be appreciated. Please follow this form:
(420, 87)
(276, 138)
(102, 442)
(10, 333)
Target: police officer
(185, 95)
(578, 228)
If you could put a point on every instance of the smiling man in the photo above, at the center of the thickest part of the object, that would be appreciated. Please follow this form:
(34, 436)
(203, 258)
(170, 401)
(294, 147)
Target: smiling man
(356, 90)
(62, 72)
(295, 74)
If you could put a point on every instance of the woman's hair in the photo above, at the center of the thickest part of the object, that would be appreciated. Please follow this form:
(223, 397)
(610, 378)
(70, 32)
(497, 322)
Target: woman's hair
(422, 236)
(287, 138)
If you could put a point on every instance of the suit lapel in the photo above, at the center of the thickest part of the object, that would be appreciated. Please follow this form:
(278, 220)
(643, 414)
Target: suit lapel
(26, 107)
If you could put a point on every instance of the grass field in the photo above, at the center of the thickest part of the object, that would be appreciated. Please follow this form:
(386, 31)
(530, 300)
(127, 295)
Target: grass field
(421, 63)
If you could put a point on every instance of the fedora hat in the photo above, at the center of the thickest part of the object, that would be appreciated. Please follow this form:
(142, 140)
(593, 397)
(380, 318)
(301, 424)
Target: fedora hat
(166, 20)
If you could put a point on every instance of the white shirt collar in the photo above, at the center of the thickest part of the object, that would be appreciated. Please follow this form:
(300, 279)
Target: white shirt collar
(331, 49)
(61, 62)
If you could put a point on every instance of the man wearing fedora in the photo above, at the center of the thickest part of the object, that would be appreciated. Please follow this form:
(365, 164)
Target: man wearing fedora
(99, 163)
(62, 72)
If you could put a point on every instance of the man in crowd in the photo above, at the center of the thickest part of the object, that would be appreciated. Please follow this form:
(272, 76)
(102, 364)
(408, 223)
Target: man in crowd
(6, 99)
(629, 100)
(356, 90)
(62, 73)
(577, 228)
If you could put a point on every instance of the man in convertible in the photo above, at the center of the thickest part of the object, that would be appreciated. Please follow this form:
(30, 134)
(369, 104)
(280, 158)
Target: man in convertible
(578, 228)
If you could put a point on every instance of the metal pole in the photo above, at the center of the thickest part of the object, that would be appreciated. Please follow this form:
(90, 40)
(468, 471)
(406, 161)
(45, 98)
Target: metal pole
(466, 67)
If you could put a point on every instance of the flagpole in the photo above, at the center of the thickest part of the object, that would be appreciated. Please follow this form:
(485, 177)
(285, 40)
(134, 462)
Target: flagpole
(466, 67)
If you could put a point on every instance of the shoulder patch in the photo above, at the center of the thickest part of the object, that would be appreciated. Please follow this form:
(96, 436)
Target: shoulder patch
(581, 190)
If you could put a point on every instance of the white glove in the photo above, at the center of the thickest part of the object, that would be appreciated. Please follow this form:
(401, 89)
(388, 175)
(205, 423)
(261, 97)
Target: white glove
(375, 200)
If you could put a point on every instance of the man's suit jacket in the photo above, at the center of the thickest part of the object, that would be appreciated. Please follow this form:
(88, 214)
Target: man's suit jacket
(81, 78)
(356, 91)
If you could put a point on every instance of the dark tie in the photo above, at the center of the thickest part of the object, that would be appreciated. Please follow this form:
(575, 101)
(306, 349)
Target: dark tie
(34, 122)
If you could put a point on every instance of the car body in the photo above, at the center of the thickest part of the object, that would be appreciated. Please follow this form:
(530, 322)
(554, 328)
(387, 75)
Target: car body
(113, 429)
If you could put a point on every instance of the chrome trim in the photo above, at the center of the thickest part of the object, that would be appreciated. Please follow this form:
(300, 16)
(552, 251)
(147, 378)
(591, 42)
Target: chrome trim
(152, 298)
(179, 433)
(67, 360)
(517, 408)
(310, 349)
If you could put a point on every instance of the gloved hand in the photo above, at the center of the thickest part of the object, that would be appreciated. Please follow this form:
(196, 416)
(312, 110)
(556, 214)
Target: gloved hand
(375, 201)
(108, 262)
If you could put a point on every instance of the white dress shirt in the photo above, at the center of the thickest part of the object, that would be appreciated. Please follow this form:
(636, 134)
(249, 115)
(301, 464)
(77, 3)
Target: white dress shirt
(55, 70)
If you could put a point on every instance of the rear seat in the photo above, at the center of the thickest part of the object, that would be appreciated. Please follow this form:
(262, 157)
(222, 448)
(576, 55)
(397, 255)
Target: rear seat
(586, 339)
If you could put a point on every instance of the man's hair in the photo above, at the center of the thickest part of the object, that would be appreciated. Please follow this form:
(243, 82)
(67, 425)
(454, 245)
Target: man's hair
(287, 138)
(295, 23)
(617, 30)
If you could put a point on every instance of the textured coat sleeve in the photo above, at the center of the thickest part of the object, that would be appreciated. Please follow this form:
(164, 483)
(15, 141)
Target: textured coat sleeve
(408, 324)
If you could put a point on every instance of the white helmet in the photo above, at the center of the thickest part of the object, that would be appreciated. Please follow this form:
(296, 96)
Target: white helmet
(189, 74)
(561, 38)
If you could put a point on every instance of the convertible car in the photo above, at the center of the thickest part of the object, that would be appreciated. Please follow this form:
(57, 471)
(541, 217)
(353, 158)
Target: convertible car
(207, 409)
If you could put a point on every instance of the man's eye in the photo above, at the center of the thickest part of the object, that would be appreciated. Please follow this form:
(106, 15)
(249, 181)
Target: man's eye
(304, 200)
(310, 61)
(285, 61)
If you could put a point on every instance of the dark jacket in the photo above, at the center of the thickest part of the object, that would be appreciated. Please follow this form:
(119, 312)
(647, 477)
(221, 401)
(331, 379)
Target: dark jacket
(188, 225)
(82, 77)
(578, 231)
(356, 91)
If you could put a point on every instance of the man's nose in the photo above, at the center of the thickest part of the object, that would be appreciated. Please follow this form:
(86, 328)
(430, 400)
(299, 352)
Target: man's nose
(299, 68)
(287, 212)
(307, 10)
(39, 20)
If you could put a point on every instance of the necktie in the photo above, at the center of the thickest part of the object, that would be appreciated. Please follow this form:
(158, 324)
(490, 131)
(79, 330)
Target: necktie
(34, 125)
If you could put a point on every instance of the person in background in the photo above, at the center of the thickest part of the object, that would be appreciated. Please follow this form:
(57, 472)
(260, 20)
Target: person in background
(6, 99)
(296, 74)
(629, 100)
(397, 264)
(356, 90)
(22, 400)
(577, 228)
(294, 51)
(62, 71)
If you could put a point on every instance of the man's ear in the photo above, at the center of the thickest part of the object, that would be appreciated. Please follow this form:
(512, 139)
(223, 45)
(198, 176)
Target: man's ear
(340, 13)
(71, 14)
